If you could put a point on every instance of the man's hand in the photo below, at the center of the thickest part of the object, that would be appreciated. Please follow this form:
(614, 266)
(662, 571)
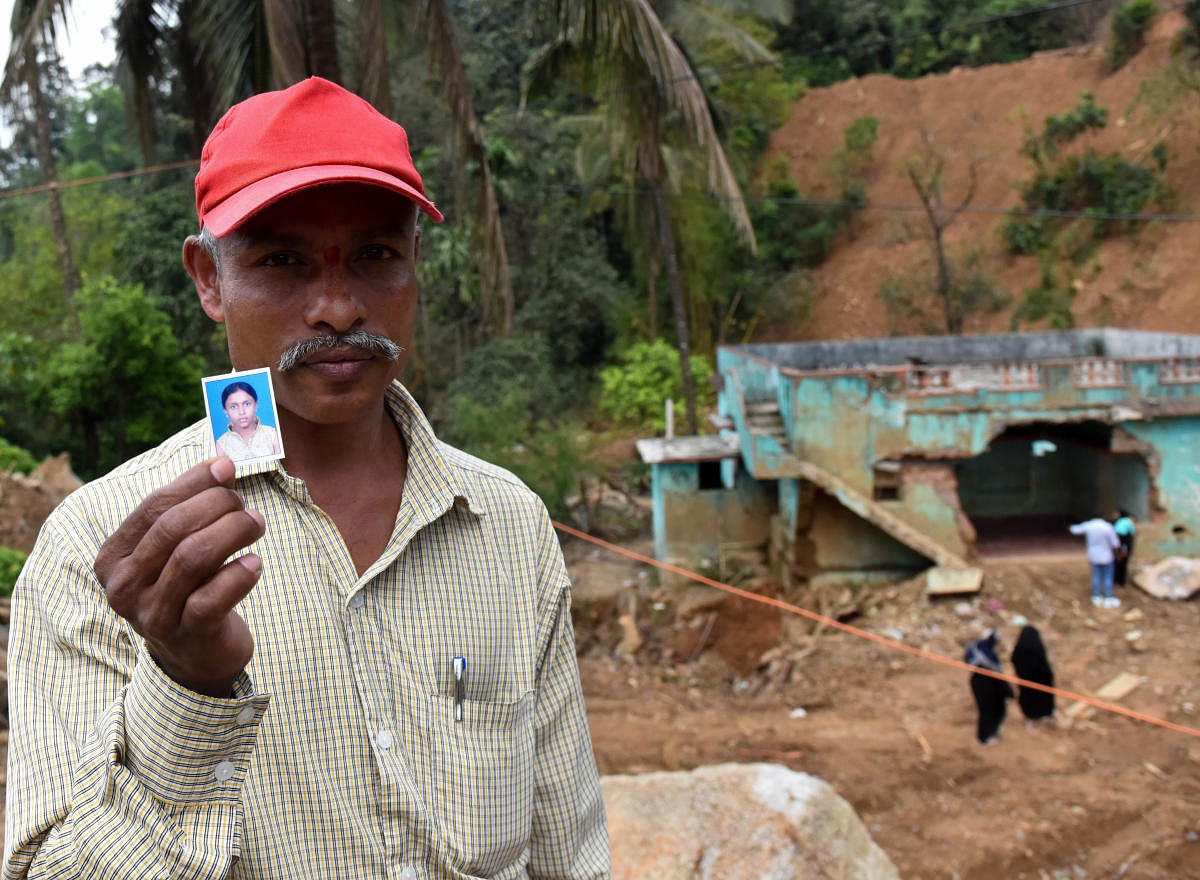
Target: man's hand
(163, 570)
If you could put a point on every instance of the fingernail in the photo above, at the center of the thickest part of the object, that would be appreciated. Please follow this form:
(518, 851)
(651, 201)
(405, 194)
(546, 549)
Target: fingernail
(222, 469)
(251, 562)
(258, 518)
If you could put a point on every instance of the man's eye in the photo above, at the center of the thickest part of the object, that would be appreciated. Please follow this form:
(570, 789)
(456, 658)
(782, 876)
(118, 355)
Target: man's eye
(377, 252)
(279, 259)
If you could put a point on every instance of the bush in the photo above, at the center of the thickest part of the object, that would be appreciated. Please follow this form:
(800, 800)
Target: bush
(11, 562)
(635, 389)
(15, 458)
(1129, 27)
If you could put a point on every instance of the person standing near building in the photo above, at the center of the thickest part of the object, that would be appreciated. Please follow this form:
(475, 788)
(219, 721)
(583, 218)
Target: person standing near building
(1126, 532)
(356, 661)
(1030, 662)
(1102, 542)
(991, 694)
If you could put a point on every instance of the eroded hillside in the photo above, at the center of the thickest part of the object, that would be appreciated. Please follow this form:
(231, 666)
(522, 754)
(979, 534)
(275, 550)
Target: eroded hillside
(1145, 279)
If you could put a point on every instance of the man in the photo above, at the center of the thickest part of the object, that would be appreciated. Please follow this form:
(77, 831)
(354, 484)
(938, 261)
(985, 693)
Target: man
(1101, 542)
(357, 662)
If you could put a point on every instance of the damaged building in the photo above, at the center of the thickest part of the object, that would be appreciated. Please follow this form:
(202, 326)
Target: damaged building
(878, 458)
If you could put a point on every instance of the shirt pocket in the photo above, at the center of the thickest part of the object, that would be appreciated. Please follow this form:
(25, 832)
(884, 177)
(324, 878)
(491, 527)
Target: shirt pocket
(477, 778)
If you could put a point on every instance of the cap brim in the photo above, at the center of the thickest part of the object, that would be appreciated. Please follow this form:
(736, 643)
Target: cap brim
(251, 199)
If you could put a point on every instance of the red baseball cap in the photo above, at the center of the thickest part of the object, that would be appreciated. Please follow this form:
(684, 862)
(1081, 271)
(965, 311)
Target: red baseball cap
(312, 133)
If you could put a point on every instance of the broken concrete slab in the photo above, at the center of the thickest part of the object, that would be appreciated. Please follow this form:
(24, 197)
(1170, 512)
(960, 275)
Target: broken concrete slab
(1119, 687)
(1176, 577)
(942, 580)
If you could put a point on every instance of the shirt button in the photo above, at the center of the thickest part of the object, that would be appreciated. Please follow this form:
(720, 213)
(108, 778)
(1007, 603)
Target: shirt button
(223, 771)
(245, 716)
(384, 741)
(358, 600)
(409, 873)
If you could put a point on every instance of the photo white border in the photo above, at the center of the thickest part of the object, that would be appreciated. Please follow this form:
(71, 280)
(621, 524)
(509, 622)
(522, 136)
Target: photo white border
(212, 422)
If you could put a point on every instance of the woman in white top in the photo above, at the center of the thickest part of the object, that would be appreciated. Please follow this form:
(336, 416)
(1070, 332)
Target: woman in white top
(247, 437)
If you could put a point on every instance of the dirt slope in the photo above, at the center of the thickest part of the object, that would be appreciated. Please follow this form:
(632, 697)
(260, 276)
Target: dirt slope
(1084, 796)
(1145, 281)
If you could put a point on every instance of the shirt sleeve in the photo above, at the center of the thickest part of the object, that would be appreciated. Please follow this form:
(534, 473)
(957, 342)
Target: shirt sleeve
(569, 834)
(1078, 529)
(114, 770)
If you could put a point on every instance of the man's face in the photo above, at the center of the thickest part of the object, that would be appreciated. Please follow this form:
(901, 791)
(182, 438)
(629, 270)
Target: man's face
(241, 409)
(326, 260)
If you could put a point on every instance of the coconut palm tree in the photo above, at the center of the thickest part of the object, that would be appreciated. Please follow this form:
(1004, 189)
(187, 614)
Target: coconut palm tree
(659, 128)
(22, 89)
(226, 50)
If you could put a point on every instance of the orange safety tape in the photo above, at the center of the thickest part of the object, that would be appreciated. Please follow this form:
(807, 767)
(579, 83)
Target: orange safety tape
(882, 640)
(81, 181)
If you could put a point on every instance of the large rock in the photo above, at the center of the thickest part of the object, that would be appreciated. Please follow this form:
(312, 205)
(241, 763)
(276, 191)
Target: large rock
(737, 822)
(1176, 577)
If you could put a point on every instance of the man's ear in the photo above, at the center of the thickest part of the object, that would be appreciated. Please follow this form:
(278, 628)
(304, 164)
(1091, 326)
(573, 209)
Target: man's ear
(205, 275)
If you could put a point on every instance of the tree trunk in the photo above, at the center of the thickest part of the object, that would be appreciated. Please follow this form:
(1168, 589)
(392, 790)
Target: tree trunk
(44, 148)
(322, 40)
(945, 293)
(667, 241)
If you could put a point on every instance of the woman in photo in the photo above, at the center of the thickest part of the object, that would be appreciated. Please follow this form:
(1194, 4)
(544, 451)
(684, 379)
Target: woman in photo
(247, 437)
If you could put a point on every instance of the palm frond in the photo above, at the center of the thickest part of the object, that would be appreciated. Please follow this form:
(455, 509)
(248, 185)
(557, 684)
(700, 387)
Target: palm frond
(285, 21)
(140, 44)
(230, 34)
(370, 35)
(33, 22)
(437, 25)
(644, 78)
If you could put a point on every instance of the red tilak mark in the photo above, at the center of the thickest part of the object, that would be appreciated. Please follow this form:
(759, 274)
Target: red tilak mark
(332, 255)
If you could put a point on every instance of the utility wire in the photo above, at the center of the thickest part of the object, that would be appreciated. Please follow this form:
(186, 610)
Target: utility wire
(579, 189)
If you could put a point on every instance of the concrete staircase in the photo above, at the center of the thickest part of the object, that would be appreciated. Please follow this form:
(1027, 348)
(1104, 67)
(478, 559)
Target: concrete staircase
(765, 418)
(876, 513)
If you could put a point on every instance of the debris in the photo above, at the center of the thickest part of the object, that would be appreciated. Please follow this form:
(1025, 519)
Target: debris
(1133, 635)
(1176, 577)
(1120, 687)
(631, 639)
(1019, 620)
(993, 606)
(964, 609)
(1154, 770)
(798, 712)
(1133, 615)
(941, 580)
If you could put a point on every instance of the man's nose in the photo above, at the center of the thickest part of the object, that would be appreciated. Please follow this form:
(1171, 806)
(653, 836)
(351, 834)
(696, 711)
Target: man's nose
(334, 302)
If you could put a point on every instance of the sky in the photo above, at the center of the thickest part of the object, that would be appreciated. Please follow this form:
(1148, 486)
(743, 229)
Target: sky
(85, 43)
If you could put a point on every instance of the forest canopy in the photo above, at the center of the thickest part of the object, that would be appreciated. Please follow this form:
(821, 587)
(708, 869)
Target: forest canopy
(597, 199)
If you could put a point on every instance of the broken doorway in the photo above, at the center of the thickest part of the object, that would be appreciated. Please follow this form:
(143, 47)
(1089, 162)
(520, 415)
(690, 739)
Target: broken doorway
(1035, 480)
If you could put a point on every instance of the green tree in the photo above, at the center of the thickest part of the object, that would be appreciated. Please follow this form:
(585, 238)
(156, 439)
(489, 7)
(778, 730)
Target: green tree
(634, 390)
(1129, 25)
(124, 384)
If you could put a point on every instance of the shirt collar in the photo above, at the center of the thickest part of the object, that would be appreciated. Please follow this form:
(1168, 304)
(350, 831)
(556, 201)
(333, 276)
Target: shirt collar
(432, 486)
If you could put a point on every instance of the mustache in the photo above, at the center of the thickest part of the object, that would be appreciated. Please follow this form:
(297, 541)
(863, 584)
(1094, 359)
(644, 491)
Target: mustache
(359, 339)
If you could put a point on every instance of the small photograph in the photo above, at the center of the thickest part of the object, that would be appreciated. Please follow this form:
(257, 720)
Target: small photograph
(242, 416)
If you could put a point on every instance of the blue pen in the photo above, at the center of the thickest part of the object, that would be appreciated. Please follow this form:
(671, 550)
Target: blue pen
(459, 666)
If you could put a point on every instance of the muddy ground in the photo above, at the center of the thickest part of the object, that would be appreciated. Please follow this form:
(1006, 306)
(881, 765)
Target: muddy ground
(1092, 795)
(721, 679)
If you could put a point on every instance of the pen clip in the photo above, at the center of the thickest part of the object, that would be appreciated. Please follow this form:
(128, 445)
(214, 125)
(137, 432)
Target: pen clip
(459, 667)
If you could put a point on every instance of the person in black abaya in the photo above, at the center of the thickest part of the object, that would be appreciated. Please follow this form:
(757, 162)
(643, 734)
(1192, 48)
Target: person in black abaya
(990, 693)
(1031, 663)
